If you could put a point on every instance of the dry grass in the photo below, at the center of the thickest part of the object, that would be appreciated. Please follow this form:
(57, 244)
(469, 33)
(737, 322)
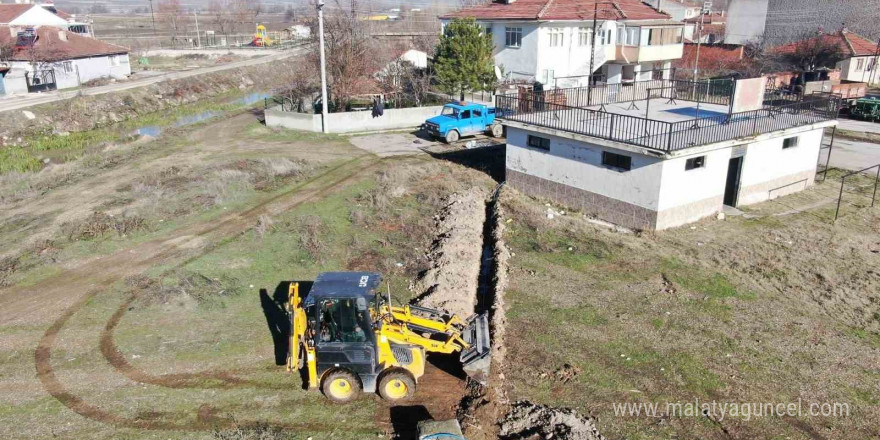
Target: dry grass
(100, 224)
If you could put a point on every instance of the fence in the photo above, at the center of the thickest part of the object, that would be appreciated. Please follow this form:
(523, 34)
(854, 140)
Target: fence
(711, 92)
(662, 135)
(856, 174)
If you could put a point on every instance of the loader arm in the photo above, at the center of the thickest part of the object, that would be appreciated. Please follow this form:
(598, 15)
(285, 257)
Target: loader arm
(298, 329)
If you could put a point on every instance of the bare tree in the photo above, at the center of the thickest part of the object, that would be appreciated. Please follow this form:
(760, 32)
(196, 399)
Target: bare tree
(171, 14)
(302, 84)
(811, 52)
(229, 15)
(406, 83)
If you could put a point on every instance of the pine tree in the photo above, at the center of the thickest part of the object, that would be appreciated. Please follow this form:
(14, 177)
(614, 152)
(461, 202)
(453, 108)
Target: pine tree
(464, 60)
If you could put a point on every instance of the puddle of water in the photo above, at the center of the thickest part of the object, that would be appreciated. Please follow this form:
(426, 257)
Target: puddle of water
(183, 121)
(251, 99)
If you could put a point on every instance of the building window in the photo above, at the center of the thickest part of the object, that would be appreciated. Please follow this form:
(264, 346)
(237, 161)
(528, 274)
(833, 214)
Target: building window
(628, 36)
(67, 66)
(539, 142)
(619, 161)
(513, 36)
(790, 143)
(663, 36)
(604, 37)
(489, 29)
(694, 163)
(557, 37)
(549, 76)
(860, 64)
(583, 36)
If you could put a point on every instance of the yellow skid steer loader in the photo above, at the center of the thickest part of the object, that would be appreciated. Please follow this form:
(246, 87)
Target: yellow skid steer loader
(349, 338)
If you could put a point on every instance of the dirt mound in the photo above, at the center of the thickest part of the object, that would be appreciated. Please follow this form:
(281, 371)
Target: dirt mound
(527, 420)
(451, 281)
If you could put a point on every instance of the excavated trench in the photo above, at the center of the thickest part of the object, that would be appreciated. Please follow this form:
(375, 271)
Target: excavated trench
(457, 267)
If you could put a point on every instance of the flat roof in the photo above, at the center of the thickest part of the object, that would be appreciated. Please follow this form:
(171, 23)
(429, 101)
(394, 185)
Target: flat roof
(662, 109)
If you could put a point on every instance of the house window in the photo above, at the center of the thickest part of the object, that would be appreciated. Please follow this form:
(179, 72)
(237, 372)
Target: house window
(632, 36)
(489, 29)
(860, 64)
(619, 161)
(539, 142)
(549, 76)
(663, 36)
(67, 66)
(557, 37)
(114, 60)
(790, 143)
(694, 163)
(605, 37)
(583, 36)
(513, 36)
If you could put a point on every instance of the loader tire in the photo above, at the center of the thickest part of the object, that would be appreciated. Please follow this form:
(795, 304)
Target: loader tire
(341, 386)
(396, 386)
(451, 136)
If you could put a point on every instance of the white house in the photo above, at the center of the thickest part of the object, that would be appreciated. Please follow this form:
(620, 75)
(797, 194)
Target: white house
(26, 15)
(550, 41)
(661, 168)
(48, 58)
(680, 10)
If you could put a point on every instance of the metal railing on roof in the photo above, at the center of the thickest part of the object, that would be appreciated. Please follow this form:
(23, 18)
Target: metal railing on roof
(711, 91)
(661, 135)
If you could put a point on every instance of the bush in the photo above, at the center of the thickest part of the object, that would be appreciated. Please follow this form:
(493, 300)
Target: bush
(99, 224)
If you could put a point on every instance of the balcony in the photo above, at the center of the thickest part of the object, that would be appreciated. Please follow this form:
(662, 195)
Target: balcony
(644, 54)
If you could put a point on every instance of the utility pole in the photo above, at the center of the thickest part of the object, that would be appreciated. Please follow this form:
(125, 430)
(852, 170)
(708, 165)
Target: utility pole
(707, 7)
(153, 17)
(323, 67)
(198, 35)
(592, 55)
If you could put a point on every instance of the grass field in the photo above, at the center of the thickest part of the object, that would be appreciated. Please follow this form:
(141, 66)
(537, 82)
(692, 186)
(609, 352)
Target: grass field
(768, 308)
(143, 291)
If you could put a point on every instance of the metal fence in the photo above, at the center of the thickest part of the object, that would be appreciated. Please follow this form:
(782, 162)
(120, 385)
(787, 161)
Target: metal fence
(709, 91)
(873, 191)
(661, 135)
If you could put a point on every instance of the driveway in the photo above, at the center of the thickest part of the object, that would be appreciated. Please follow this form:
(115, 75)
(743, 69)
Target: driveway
(854, 155)
(24, 101)
(863, 126)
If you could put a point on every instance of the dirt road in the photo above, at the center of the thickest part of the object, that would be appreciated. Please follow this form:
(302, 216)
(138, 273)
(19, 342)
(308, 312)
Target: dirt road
(25, 101)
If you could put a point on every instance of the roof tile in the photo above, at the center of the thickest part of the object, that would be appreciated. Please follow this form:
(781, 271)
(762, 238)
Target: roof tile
(53, 48)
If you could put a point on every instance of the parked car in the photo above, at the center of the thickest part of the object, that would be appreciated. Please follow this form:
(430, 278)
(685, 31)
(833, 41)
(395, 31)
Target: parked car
(464, 119)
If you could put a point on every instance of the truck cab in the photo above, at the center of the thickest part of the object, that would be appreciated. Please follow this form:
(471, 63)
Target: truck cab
(460, 119)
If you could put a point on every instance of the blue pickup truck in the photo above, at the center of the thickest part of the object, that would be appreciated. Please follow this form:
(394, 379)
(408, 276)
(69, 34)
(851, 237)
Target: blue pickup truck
(463, 119)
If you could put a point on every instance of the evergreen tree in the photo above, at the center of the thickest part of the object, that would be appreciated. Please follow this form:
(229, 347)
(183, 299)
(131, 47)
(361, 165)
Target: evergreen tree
(464, 60)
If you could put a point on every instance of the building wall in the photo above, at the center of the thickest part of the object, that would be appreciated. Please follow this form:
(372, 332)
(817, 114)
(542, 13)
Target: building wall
(114, 66)
(768, 171)
(746, 20)
(849, 72)
(38, 16)
(351, 122)
(657, 193)
(521, 62)
(783, 21)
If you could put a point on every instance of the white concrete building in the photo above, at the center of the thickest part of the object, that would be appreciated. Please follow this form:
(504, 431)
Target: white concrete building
(49, 58)
(28, 15)
(550, 41)
(666, 169)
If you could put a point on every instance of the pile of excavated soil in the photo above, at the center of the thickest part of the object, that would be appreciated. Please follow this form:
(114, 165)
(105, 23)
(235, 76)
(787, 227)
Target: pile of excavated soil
(451, 281)
(527, 421)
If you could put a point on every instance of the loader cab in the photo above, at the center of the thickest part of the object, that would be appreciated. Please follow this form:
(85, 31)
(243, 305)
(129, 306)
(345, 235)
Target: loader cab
(340, 326)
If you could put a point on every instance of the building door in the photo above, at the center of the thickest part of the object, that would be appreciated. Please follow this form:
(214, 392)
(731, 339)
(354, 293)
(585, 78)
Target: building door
(731, 189)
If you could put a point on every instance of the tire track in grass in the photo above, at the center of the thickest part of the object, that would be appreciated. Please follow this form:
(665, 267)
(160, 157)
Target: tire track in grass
(87, 276)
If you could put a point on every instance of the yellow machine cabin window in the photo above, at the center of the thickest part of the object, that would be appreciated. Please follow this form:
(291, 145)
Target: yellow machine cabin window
(344, 320)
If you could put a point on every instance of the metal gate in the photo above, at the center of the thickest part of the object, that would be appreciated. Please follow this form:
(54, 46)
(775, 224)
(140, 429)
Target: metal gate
(41, 81)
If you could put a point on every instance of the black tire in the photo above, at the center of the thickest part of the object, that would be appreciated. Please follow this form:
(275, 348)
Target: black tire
(341, 386)
(497, 130)
(452, 136)
(396, 386)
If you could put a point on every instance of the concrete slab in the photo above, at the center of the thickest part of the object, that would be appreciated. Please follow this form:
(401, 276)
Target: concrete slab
(391, 144)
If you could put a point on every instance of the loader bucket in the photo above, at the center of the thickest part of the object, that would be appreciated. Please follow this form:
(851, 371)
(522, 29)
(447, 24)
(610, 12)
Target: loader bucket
(475, 360)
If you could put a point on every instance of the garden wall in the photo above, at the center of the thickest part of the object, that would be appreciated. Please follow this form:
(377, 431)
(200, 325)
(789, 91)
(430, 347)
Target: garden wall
(351, 122)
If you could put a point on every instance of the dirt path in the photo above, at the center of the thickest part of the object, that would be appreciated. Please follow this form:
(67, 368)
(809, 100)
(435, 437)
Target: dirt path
(57, 299)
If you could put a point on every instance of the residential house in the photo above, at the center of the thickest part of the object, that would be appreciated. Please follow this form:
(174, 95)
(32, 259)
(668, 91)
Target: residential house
(48, 58)
(680, 10)
(28, 15)
(707, 28)
(657, 155)
(551, 41)
(860, 55)
(783, 21)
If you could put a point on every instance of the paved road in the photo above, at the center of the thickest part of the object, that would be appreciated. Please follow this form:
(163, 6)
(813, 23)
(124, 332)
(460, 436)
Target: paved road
(855, 125)
(854, 155)
(24, 101)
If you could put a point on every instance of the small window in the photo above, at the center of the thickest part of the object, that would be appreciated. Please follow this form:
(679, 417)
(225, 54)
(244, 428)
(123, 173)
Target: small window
(615, 160)
(583, 36)
(790, 143)
(557, 37)
(489, 29)
(465, 114)
(539, 142)
(478, 114)
(694, 163)
(513, 36)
